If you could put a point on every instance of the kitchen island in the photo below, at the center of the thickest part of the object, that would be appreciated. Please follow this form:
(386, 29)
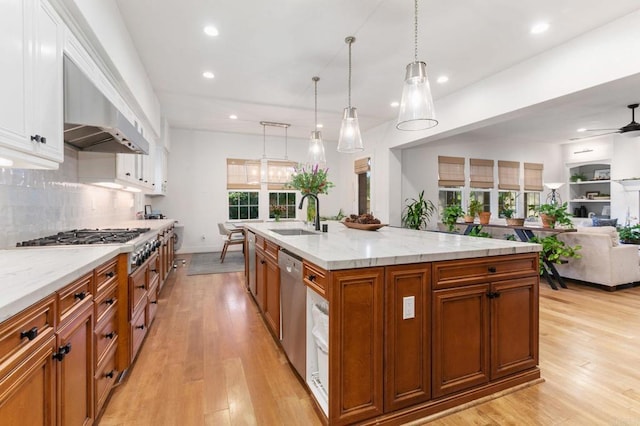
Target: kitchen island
(418, 322)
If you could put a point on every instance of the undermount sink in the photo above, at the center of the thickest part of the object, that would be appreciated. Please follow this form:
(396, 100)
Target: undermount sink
(293, 231)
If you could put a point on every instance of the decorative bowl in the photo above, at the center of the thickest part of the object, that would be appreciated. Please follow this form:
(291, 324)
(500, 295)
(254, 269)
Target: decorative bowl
(364, 226)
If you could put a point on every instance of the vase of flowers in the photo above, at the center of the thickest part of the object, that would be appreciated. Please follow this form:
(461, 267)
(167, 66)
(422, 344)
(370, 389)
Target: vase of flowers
(277, 211)
(310, 179)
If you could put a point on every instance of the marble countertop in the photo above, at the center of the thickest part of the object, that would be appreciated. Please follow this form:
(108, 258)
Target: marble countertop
(29, 274)
(32, 273)
(344, 248)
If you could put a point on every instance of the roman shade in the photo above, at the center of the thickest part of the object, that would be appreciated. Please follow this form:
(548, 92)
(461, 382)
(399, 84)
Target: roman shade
(279, 173)
(509, 175)
(450, 171)
(533, 176)
(361, 166)
(243, 174)
(481, 173)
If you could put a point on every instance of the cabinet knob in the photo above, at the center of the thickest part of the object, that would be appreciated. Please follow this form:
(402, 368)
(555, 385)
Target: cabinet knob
(262, 261)
(493, 295)
(110, 274)
(109, 301)
(140, 327)
(140, 179)
(311, 277)
(110, 335)
(81, 295)
(62, 352)
(29, 334)
(140, 286)
(127, 174)
(36, 138)
(110, 374)
(492, 269)
(154, 302)
(43, 140)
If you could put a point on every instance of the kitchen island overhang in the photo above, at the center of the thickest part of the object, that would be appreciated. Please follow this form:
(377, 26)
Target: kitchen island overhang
(419, 322)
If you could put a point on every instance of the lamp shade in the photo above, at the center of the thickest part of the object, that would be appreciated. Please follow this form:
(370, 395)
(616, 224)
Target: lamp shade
(350, 139)
(416, 107)
(554, 185)
(316, 154)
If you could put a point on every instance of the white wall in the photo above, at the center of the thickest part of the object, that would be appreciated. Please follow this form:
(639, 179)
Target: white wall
(197, 184)
(38, 203)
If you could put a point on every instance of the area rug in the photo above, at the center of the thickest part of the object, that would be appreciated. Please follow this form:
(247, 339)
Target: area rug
(209, 263)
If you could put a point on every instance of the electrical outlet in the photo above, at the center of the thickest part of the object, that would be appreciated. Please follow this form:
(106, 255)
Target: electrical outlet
(408, 307)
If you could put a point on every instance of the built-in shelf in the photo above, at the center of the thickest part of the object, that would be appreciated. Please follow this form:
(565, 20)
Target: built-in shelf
(588, 182)
(578, 191)
(582, 200)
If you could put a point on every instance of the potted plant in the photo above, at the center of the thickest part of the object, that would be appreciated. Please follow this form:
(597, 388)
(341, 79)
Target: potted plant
(478, 232)
(473, 208)
(450, 216)
(554, 250)
(629, 234)
(277, 211)
(512, 221)
(310, 180)
(554, 214)
(578, 177)
(484, 217)
(416, 213)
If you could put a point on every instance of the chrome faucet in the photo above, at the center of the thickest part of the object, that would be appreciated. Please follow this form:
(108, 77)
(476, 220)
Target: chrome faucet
(316, 221)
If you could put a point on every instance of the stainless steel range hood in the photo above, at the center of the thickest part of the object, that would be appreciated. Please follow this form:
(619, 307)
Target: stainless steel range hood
(92, 122)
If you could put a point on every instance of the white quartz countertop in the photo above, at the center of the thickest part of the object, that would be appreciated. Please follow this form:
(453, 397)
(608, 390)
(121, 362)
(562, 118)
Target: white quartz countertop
(344, 248)
(30, 274)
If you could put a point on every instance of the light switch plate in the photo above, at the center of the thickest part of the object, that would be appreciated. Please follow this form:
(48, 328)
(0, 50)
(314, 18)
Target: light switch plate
(408, 307)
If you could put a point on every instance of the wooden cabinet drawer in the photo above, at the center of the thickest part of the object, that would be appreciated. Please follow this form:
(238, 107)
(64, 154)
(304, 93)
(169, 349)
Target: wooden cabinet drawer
(315, 277)
(137, 289)
(27, 328)
(152, 303)
(271, 250)
(106, 299)
(105, 377)
(454, 273)
(260, 242)
(106, 333)
(70, 299)
(105, 275)
(138, 331)
(154, 269)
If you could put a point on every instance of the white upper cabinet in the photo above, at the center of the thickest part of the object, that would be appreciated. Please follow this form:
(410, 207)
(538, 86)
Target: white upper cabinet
(31, 84)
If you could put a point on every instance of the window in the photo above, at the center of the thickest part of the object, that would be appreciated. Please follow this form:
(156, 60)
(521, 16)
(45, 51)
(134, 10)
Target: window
(286, 200)
(484, 197)
(531, 203)
(507, 200)
(362, 168)
(243, 205)
(449, 197)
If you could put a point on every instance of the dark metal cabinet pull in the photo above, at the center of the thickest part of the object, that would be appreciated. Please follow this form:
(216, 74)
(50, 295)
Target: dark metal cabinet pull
(311, 277)
(109, 301)
(110, 335)
(492, 269)
(81, 295)
(29, 334)
(110, 374)
(110, 274)
(140, 327)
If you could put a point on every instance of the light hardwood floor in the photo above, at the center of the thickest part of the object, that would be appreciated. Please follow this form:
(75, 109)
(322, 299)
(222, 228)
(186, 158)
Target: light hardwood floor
(209, 360)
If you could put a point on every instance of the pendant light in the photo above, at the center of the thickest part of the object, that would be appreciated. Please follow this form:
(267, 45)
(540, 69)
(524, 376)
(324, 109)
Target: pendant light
(316, 147)
(350, 139)
(416, 107)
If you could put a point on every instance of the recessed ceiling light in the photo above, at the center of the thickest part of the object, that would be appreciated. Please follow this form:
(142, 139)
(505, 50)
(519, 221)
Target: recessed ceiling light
(539, 28)
(395, 104)
(442, 79)
(233, 117)
(581, 129)
(207, 74)
(210, 30)
(319, 126)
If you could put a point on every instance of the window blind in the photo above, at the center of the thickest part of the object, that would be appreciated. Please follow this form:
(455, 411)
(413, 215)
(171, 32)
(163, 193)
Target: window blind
(533, 176)
(279, 173)
(243, 174)
(481, 173)
(509, 175)
(450, 171)
(361, 166)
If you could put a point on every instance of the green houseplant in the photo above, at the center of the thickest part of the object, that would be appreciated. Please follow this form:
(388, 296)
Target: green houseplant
(578, 177)
(310, 180)
(450, 216)
(554, 214)
(473, 209)
(554, 250)
(629, 234)
(417, 212)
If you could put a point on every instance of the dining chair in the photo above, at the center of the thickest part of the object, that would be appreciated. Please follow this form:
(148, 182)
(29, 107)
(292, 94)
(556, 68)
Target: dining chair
(231, 236)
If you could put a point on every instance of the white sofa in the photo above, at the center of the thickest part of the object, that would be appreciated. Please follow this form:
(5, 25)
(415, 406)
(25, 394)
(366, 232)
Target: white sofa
(604, 261)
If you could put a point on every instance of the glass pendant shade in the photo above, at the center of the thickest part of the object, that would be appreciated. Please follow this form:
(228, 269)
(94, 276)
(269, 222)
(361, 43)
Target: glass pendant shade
(316, 150)
(416, 106)
(350, 139)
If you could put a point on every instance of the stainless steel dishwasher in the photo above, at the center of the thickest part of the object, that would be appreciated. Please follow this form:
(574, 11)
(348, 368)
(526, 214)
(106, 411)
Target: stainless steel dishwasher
(293, 302)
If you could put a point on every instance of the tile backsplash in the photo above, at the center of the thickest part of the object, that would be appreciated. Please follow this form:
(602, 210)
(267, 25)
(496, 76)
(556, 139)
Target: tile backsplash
(36, 203)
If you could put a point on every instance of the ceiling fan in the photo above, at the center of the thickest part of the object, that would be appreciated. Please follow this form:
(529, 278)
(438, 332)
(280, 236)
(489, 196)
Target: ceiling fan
(631, 127)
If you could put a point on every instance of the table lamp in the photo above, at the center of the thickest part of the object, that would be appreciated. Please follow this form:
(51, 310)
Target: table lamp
(554, 197)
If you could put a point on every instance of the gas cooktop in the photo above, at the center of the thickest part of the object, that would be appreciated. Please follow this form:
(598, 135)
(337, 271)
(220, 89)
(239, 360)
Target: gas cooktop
(87, 236)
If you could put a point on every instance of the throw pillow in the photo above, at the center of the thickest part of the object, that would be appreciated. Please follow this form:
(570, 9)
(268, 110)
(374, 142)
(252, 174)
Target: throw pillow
(604, 222)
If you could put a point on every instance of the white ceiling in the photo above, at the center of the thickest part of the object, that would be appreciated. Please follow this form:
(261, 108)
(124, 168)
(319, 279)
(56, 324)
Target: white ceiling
(268, 51)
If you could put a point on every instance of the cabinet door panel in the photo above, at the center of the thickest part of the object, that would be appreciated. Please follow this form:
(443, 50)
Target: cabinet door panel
(261, 279)
(272, 297)
(28, 392)
(460, 339)
(514, 326)
(407, 347)
(356, 345)
(75, 371)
